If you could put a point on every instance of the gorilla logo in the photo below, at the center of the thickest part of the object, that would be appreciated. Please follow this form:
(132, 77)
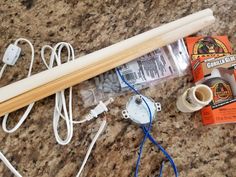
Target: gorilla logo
(208, 45)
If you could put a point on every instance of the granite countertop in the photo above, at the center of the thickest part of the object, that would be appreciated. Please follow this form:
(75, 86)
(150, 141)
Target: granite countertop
(199, 151)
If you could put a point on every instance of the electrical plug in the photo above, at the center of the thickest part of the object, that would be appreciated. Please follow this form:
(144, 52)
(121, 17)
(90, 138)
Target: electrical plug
(12, 54)
(99, 109)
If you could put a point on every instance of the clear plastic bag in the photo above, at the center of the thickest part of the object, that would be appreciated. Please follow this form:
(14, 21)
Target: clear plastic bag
(164, 63)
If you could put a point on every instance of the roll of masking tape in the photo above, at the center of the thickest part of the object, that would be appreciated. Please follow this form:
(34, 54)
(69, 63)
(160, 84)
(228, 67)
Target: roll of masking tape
(195, 98)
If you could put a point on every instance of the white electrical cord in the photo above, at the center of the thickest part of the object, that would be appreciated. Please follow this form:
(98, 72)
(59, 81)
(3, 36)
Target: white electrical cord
(60, 100)
(102, 127)
(2, 70)
(26, 113)
(9, 165)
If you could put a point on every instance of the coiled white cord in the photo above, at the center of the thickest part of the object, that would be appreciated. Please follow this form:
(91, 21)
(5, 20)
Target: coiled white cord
(60, 109)
(60, 101)
(29, 108)
(26, 113)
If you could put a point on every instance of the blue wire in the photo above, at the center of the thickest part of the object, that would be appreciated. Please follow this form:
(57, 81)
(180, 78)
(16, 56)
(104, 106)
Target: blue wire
(162, 166)
(149, 126)
(148, 135)
(162, 150)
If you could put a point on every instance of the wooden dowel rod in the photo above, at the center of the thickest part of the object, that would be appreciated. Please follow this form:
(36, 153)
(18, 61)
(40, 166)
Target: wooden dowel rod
(47, 76)
(99, 66)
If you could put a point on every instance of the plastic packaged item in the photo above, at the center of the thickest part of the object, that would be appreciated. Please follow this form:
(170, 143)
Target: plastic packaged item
(217, 70)
(164, 63)
(221, 78)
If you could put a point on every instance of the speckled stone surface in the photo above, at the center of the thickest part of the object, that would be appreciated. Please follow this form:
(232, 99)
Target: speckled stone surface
(90, 25)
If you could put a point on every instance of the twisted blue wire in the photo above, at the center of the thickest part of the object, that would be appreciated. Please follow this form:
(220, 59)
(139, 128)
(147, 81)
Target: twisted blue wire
(147, 134)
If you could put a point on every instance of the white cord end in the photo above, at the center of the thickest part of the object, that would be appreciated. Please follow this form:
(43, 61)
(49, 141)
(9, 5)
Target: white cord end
(99, 109)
